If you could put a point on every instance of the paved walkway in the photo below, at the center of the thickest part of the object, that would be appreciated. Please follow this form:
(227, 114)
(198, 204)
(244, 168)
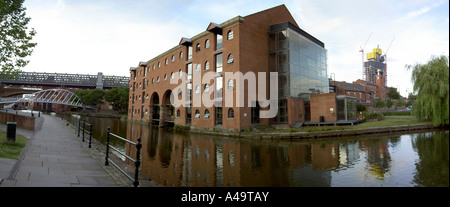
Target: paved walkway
(56, 157)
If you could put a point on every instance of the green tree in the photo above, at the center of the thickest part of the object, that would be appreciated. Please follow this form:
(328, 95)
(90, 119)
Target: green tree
(119, 97)
(389, 103)
(393, 93)
(91, 97)
(379, 103)
(15, 38)
(431, 84)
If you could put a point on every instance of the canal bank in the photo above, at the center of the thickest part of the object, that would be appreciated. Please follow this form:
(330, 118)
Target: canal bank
(327, 133)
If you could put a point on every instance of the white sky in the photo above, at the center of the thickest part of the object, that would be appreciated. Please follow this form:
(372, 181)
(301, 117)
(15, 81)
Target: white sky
(110, 36)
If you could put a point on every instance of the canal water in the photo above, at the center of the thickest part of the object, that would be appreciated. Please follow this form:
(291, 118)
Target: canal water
(386, 160)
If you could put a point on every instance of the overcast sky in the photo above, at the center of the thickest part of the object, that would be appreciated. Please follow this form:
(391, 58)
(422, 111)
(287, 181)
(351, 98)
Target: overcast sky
(110, 36)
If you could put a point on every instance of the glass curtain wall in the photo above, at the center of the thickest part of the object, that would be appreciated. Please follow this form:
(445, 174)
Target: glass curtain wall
(301, 65)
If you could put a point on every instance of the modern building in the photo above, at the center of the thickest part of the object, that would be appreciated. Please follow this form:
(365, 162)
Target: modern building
(260, 43)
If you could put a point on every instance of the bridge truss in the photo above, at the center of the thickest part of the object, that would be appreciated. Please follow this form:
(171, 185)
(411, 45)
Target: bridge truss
(54, 96)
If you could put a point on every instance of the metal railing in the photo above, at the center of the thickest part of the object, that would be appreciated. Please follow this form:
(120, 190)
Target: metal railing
(137, 161)
(82, 128)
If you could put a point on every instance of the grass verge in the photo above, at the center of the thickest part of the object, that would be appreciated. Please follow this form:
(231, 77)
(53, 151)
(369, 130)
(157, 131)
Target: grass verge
(391, 121)
(11, 150)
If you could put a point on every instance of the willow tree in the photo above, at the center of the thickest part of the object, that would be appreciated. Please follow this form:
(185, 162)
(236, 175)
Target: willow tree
(431, 84)
(15, 37)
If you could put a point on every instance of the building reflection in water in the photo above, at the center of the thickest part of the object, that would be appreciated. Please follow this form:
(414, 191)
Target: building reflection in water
(196, 160)
(173, 159)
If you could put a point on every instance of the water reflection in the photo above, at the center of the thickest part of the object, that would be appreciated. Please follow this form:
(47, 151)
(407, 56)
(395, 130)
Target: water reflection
(198, 160)
(171, 159)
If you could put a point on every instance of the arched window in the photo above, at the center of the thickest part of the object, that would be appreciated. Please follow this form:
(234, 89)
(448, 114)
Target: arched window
(230, 59)
(197, 114)
(181, 55)
(154, 67)
(230, 113)
(153, 80)
(230, 84)
(230, 35)
(157, 79)
(206, 114)
(159, 64)
(197, 89)
(171, 75)
(206, 65)
(167, 61)
(180, 73)
(207, 43)
(173, 58)
(197, 48)
(178, 113)
(206, 89)
(165, 76)
(197, 68)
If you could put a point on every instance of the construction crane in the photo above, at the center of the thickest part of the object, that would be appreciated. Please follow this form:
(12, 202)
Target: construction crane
(385, 62)
(362, 55)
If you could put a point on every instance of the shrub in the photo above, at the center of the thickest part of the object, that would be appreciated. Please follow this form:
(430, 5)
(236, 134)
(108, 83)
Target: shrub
(181, 128)
(375, 115)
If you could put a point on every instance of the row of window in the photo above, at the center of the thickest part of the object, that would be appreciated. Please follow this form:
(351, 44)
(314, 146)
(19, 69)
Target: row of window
(230, 36)
(206, 114)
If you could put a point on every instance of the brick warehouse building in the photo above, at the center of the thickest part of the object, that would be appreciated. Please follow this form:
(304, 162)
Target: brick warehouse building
(266, 41)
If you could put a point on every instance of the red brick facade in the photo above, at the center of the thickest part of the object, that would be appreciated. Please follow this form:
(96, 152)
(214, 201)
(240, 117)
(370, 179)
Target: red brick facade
(150, 98)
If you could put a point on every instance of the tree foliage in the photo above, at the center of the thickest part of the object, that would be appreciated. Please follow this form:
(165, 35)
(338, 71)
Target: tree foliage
(118, 97)
(15, 38)
(431, 84)
(91, 97)
(393, 93)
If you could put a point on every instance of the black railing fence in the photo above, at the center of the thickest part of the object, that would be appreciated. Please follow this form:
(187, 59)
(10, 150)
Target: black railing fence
(136, 161)
(82, 127)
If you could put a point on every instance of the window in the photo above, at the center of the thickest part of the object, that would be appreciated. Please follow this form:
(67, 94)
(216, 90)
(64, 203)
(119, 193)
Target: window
(197, 48)
(230, 113)
(219, 41)
(153, 80)
(197, 89)
(153, 66)
(230, 35)
(189, 71)
(190, 53)
(167, 61)
(181, 55)
(173, 58)
(179, 92)
(157, 79)
(206, 114)
(218, 92)
(180, 73)
(197, 68)
(230, 59)
(231, 84)
(206, 89)
(207, 44)
(197, 114)
(171, 75)
(206, 65)
(178, 113)
(165, 76)
(159, 64)
(219, 63)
